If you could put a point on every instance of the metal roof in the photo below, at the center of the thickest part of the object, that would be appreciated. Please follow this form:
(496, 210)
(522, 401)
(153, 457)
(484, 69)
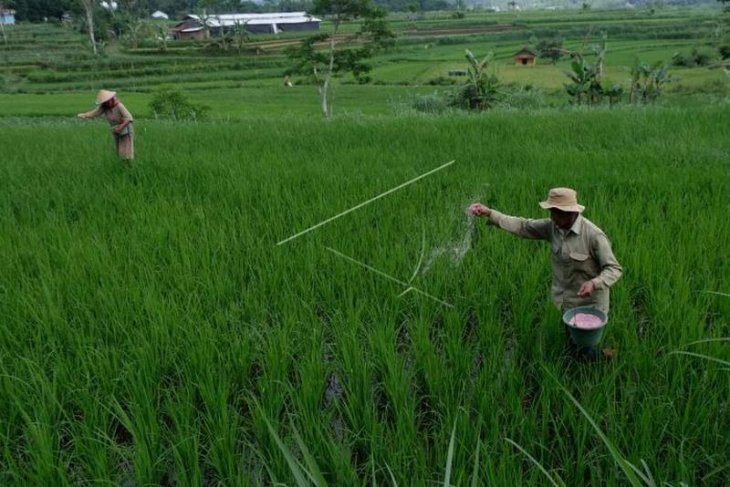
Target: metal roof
(226, 20)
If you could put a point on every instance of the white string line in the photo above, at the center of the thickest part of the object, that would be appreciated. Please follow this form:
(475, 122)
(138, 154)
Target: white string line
(389, 277)
(324, 222)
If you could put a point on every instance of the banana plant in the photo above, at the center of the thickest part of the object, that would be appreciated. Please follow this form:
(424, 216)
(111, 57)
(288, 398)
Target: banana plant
(587, 77)
(648, 81)
(582, 76)
(481, 89)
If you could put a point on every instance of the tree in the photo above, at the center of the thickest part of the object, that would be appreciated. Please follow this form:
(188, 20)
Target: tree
(343, 53)
(160, 31)
(551, 49)
(39, 10)
(137, 29)
(241, 35)
(88, 6)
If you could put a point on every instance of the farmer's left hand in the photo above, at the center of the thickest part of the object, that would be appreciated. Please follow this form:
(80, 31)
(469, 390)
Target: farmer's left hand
(586, 289)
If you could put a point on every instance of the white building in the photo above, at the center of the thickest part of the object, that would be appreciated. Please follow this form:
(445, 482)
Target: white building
(7, 17)
(268, 23)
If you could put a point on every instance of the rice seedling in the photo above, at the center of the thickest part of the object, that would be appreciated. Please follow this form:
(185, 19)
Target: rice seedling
(153, 332)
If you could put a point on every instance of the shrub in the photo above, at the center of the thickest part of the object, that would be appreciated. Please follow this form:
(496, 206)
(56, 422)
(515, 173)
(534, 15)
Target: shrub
(724, 51)
(695, 58)
(441, 81)
(551, 49)
(525, 97)
(431, 103)
(171, 102)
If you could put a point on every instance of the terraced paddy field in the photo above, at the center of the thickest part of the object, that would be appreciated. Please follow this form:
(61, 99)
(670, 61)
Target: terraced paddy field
(54, 59)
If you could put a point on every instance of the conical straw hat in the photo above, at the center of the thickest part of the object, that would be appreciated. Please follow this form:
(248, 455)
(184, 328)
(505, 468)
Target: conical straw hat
(104, 95)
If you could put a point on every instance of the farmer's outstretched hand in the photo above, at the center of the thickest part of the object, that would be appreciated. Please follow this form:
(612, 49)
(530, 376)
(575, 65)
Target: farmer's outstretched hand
(478, 209)
(586, 289)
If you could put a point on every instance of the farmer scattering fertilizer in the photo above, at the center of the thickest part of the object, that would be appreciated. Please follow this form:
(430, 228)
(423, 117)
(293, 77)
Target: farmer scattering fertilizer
(120, 120)
(584, 267)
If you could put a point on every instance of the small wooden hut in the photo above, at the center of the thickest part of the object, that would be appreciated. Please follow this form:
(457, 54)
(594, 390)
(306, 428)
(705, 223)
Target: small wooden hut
(525, 57)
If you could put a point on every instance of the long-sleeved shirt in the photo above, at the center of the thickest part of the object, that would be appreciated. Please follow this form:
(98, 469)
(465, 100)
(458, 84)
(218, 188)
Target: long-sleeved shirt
(115, 116)
(579, 254)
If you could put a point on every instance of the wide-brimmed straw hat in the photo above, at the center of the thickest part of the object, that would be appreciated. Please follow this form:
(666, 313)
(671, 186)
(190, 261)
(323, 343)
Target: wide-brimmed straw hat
(104, 95)
(563, 199)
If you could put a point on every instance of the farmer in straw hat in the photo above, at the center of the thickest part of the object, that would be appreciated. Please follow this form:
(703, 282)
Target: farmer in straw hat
(108, 104)
(584, 267)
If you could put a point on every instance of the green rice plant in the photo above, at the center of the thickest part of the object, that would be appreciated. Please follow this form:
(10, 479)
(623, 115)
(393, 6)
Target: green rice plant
(555, 482)
(635, 476)
(303, 475)
(704, 356)
(153, 332)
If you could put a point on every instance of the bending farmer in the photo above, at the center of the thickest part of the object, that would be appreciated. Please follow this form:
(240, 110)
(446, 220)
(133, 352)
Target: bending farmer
(584, 267)
(108, 104)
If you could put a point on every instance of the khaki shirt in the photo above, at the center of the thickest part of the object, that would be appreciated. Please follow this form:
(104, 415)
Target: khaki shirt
(582, 253)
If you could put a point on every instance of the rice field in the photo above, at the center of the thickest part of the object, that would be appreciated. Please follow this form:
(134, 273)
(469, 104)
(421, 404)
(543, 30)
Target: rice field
(153, 333)
(174, 322)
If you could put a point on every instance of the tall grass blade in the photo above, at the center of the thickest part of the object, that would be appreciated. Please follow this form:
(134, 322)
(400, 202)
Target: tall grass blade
(475, 470)
(718, 293)
(324, 222)
(450, 457)
(312, 468)
(702, 356)
(389, 277)
(420, 259)
(392, 477)
(537, 464)
(709, 340)
(296, 468)
(628, 469)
